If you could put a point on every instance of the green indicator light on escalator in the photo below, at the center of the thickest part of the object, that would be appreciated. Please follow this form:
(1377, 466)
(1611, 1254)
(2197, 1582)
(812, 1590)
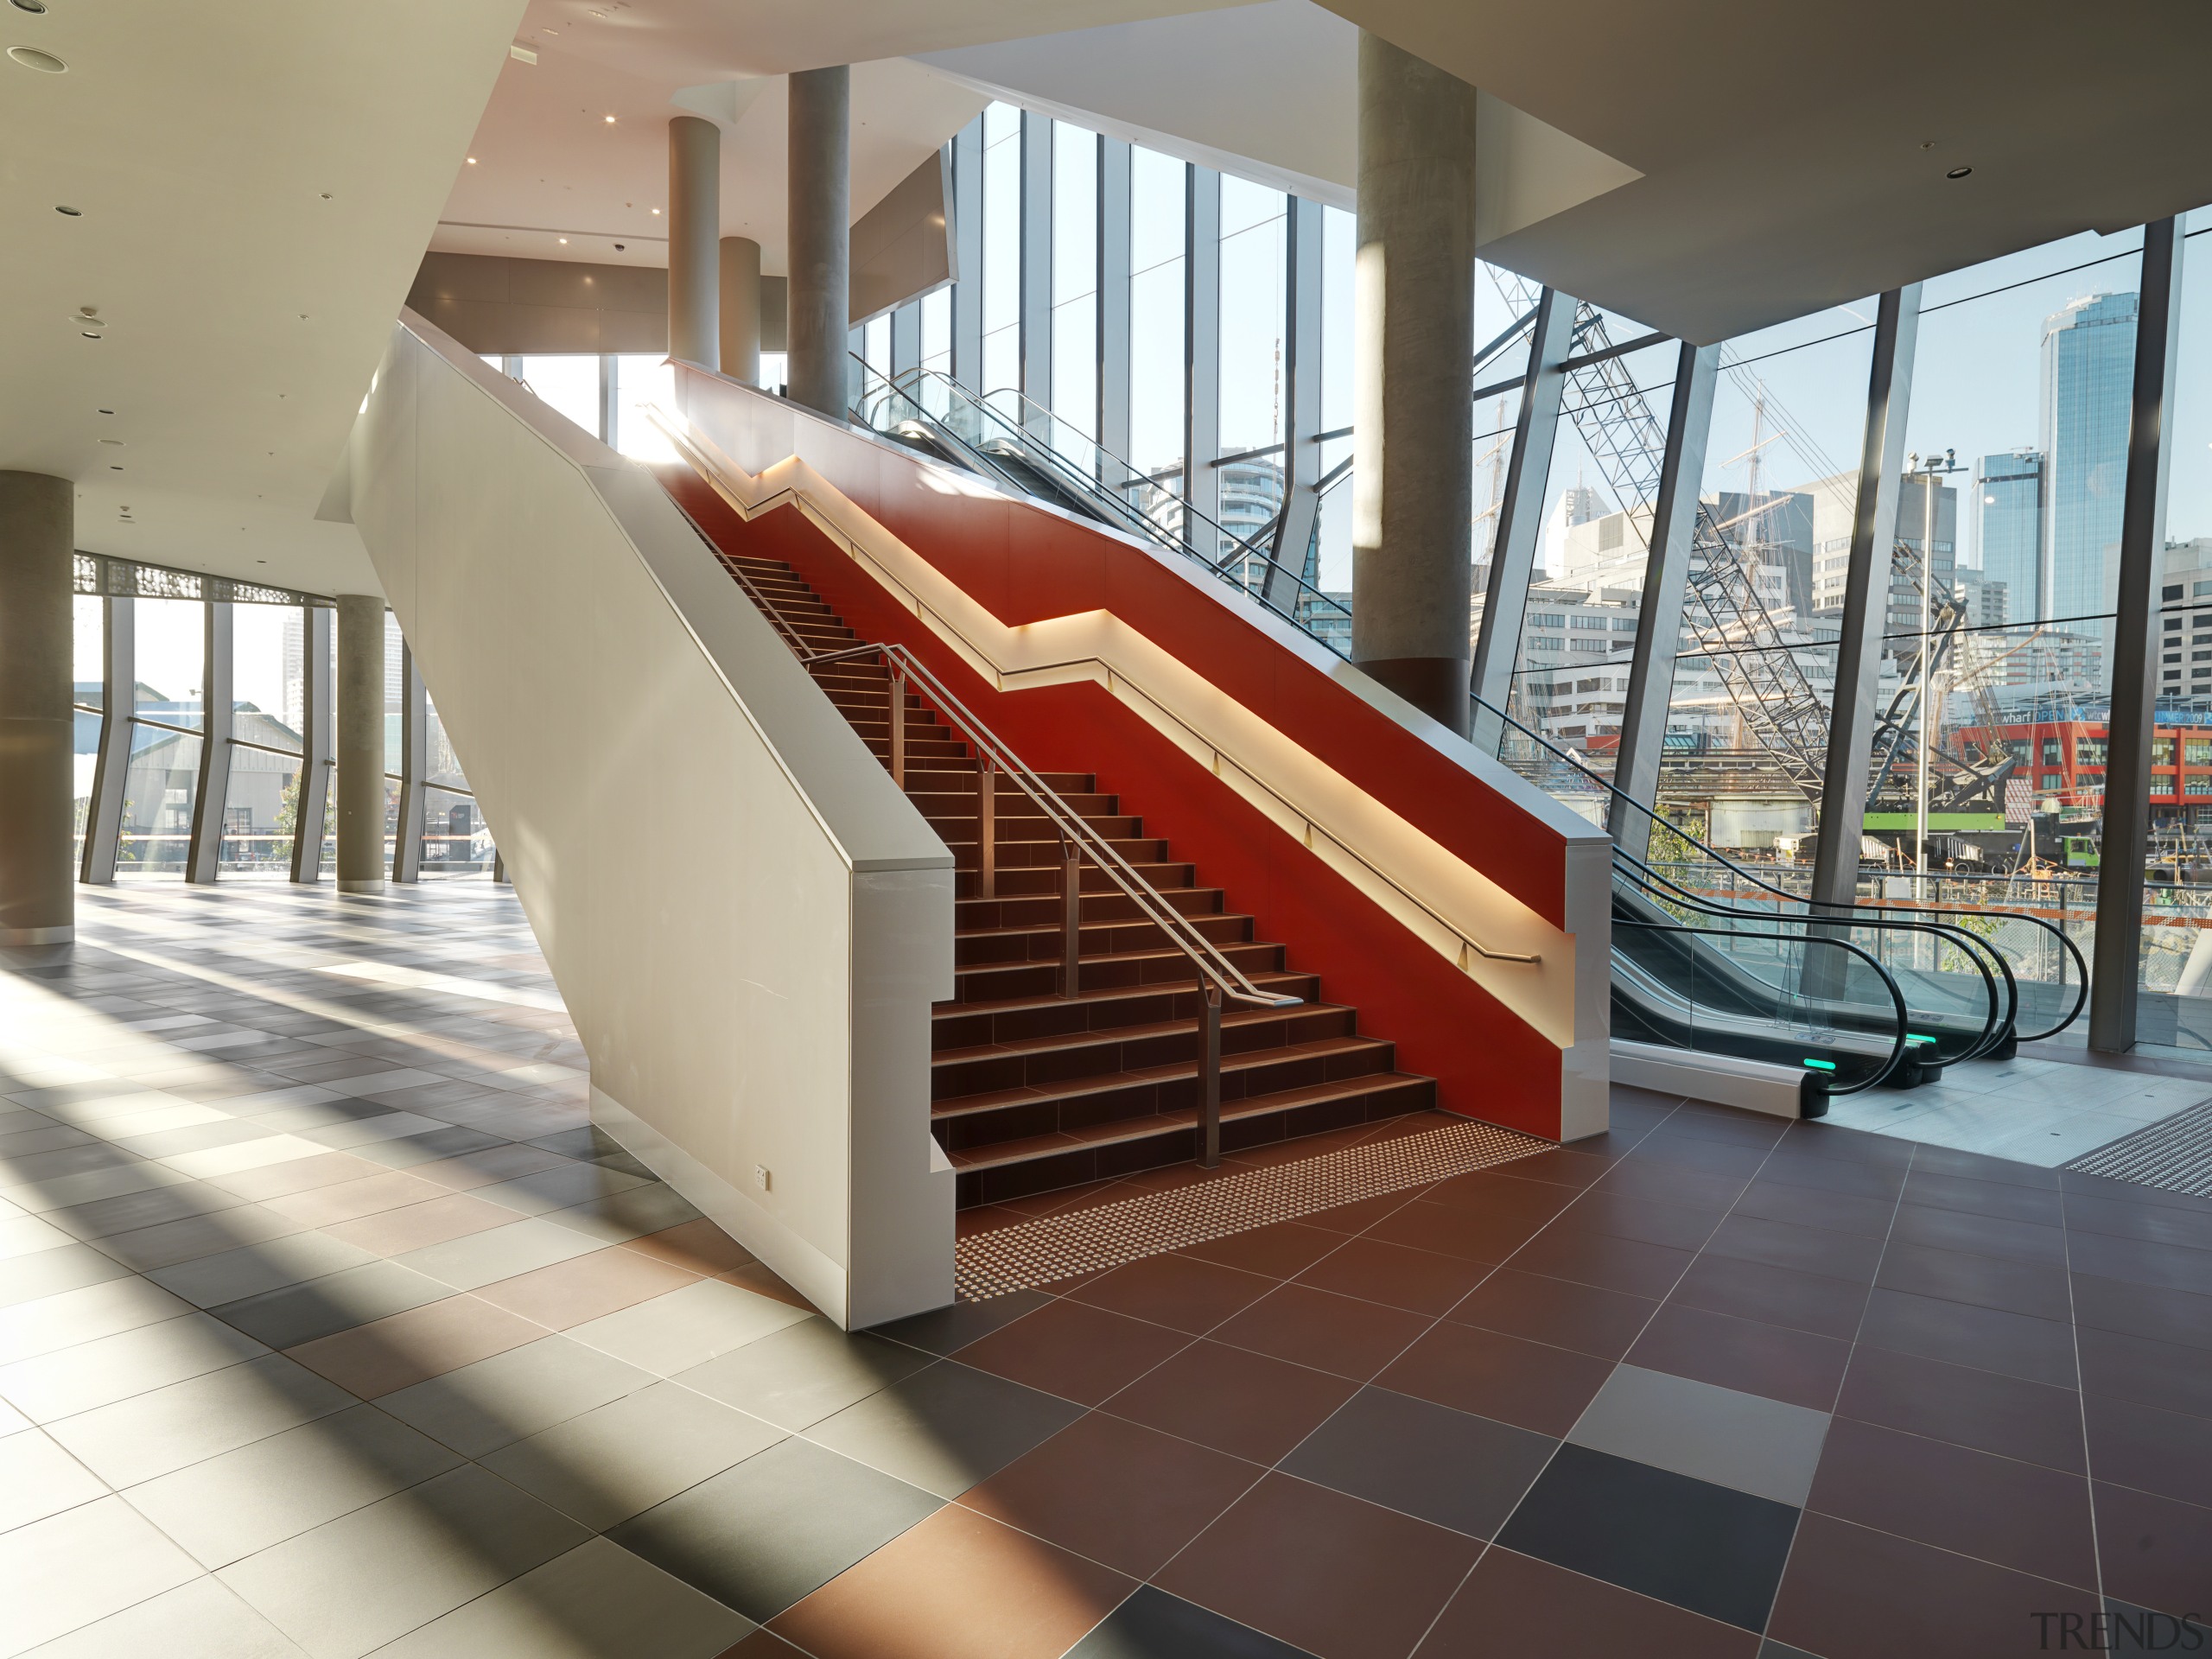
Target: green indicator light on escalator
(1914, 1037)
(1821, 1066)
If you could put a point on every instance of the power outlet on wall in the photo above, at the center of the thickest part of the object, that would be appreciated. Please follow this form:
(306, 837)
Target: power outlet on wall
(761, 1177)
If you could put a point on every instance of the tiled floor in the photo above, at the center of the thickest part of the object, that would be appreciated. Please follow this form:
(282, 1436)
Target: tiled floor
(2031, 1109)
(326, 1326)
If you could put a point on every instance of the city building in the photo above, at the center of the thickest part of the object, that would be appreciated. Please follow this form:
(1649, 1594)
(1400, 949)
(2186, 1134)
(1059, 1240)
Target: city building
(959, 832)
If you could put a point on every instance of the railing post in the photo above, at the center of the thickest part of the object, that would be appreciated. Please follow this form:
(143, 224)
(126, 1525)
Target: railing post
(898, 726)
(987, 828)
(1209, 1075)
(1071, 921)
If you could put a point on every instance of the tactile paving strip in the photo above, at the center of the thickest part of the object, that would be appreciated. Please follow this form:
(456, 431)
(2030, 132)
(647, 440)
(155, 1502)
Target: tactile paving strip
(2174, 1155)
(1038, 1252)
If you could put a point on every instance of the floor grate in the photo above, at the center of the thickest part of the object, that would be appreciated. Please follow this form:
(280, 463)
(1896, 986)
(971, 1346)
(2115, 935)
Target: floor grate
(2174, 1155)
(1038, 1252)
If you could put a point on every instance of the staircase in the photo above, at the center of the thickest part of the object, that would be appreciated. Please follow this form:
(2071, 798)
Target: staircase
(1031, 1090)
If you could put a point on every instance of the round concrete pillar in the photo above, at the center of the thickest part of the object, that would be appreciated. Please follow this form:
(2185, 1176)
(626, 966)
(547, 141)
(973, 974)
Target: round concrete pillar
(1413, 360)
(740, 310)
(818, 206)
(38, 901)
(695, 222)
(360, 743)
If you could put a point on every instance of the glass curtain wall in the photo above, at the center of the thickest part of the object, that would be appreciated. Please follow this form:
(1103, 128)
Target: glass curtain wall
(1159, 385)
(260, 809)
(1001, 274)
(456, 842)
(1075, 288)
(163, 778)
(1254, 222)
(88, 678)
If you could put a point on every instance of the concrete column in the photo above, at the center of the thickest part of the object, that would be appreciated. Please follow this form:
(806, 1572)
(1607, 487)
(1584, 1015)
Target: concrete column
(694, 221)
(820, 222)
(740, 310)
(38, 901)
(1413, 359)
(360, 743)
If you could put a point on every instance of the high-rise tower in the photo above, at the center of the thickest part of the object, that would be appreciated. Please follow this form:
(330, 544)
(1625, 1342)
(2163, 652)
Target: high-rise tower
(2089, 369)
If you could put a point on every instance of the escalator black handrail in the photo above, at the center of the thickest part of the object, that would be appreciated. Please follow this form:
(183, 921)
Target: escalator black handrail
(2066, 945)
(1994, 1024)
(1897, 997)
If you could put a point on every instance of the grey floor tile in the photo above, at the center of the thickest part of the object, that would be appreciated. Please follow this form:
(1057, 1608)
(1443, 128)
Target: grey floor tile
(410, 1150)
(233, 1275)
(22, 1235)
(686, 1327)
(1152, 1624)
(80, 1566)
(69, 1192)
(226, 1508)
(497, 1253)
(191, 1238)
(945, 1329)
(353, 1584)
(201, 1620)
(598, 1601)
(38, 1479)
(1747, 1441)
(946, 1428)
(1445, 1466)
(625, 1457)
(95, 1374)
(776, 1528)
(512, 1395)
(30, 1329)
(168, 1428)
(366, 1131)
(796, 1377)
(337, 1301)
(50, 1272)
(135, 1210)
(625, 1216)
(558, 1189)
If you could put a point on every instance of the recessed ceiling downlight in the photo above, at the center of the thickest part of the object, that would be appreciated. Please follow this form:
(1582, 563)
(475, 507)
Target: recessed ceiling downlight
(1958, 172)
(31, 58)
(70, 212)
(30, 5)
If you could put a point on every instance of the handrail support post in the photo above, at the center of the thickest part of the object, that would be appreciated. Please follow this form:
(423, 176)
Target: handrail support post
(986, 827)
(1209, 1075)
(897, 725)
(1071, 922)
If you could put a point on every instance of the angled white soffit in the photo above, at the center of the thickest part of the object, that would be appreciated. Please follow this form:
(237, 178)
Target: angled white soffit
(256, 181)
(1271, 92)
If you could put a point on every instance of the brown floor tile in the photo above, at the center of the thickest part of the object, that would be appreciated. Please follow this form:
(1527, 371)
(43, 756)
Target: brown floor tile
(2168, 1452)
(2157, 1224)
(1234, 1401)
(2143, 1261)
(341, 1201)
(1621, 1264)
(416, 1226)
(2012, 1286)
(1636, 1178)
(1328, 1333)
(1282, 1251)
(1722, 1157)
(959, 1586)
(1513, 1605)
(2156, 1553)
(1803, 1249)
(697, 1247)
(1575, 1165)
(1524, 1384)
(300, 1175)
(1939, 1229)
(1822, 1174)
(2162, 1374)
(1464, 1230)
(585, 1287)
(1998, 1200)
(756, 1277)
(1180, 1291)
(2018, 1515)
(1079, 1352)
(1980, 1167)
(2006, 1415)
(389, 1354)
(1752, 1290)
(1851, 1592)
(1495, 1192)
(1806, 1206)
(490, 1164)
(1648, 1221)
(1115, 1491)
(1359, 1216)
(1340, 1578)
(2041, 1351)
(1421, 1281)
(1743, 1354)
(1603, 1323)
(2142, 1311)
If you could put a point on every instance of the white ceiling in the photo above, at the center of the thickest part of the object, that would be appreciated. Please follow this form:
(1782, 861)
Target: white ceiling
(257, 182)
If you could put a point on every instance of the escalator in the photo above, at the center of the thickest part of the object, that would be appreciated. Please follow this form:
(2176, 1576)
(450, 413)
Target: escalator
(1712, 962)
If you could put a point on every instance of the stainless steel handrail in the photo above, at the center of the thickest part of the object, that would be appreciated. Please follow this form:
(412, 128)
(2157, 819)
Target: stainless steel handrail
(1220, 980)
